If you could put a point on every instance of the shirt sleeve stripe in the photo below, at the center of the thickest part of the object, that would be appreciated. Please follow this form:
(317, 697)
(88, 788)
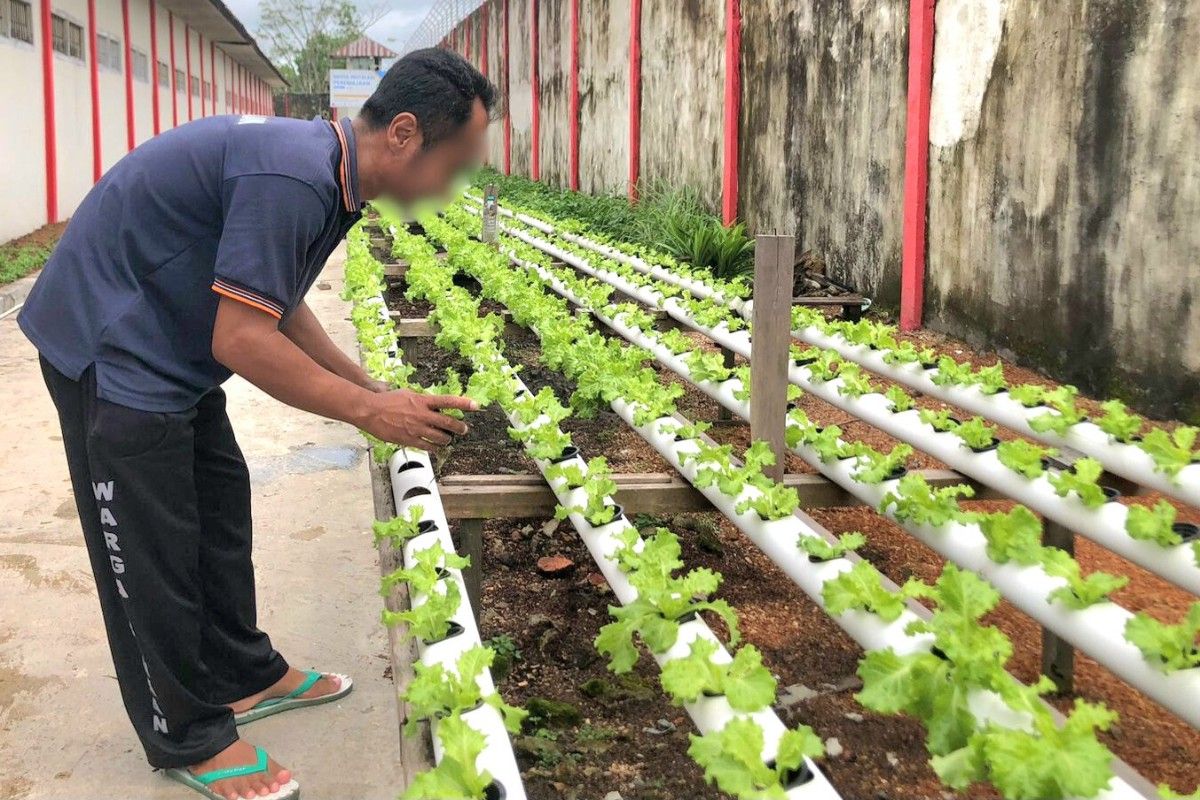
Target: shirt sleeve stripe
(233, 294)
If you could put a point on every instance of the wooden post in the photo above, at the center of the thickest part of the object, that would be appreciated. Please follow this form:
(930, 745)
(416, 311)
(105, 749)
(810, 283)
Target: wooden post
(470, 544)
(772, 333)
(1058, 656)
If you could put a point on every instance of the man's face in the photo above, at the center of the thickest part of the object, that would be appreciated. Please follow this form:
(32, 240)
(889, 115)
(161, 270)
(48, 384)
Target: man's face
(416, 173)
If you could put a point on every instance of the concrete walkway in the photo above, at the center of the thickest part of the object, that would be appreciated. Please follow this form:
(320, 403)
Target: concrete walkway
(63, 731)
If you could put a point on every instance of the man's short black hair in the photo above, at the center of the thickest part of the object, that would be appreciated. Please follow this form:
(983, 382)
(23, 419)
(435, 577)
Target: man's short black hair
(436, 86)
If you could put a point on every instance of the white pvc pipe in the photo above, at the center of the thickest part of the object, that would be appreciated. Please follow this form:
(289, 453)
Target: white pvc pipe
(1126, 460)
(709, 714)
(1104, 525)
(1097, 630)
(778, 540)
(497, 755)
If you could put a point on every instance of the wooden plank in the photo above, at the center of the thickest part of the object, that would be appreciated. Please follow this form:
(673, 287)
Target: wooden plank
(1058, 656)
(516, 496)
(773, 269)
(840, 300)
(412, 328)
(395, 270)
(416, 752)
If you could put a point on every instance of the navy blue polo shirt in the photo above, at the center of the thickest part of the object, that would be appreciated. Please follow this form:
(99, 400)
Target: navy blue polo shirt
(243, 207)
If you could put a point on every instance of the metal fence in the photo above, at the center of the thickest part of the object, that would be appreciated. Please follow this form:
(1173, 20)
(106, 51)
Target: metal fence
(440, 20)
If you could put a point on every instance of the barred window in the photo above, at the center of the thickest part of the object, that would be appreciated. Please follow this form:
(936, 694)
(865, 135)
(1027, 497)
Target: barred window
(74, 41)
(18, 23)
(180, 81)
(108, 52)
(195, 86)
(141, 65)
(164, 75)
(58, 30)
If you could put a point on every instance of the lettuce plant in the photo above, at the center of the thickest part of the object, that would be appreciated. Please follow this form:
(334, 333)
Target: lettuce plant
(745, 682)
(732, 759)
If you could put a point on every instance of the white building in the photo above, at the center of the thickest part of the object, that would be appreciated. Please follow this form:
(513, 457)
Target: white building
(85, 81)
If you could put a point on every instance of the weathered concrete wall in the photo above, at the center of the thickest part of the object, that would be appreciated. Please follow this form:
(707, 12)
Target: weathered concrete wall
(823, 120)
(554, 64)
(495, 71)
(603, 95)
(683, 92)
(1065, 190)
(1065, 160)
(520, 66)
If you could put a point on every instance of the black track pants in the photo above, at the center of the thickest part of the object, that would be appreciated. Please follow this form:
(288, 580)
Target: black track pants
(164, 500)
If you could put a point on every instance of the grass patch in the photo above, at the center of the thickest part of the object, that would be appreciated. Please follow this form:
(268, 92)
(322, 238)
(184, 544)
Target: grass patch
(17, 261)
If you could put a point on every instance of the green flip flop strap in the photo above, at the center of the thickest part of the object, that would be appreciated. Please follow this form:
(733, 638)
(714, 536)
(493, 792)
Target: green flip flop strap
(258, 767)
(310, 679)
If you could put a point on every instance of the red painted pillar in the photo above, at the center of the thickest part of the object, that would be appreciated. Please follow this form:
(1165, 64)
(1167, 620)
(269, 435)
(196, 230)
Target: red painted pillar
(212, 60)
(916, 163)
(94, 83)
(635, 96)
(154, 88)
(535, 126)
(187, 52)
(130, 138)
(174, 88)
(573, 101)
(733, 104)
(483, 41)
(200, 53)
(507, 115)
(48, 118)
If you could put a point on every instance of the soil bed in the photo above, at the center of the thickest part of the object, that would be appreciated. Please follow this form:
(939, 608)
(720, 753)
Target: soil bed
(619, 733)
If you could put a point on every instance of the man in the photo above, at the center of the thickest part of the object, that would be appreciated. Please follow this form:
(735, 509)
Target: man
(187, 262)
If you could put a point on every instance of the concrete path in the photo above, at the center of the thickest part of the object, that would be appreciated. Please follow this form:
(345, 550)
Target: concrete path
(63, 731)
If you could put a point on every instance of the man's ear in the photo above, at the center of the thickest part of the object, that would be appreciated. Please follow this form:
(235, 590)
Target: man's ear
(404, 133)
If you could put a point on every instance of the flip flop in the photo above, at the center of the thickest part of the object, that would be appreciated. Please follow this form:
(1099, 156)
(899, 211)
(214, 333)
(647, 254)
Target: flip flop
(292, 699)
(200, 783)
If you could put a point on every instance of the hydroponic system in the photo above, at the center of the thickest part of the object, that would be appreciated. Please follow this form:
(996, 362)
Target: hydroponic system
(641, 337)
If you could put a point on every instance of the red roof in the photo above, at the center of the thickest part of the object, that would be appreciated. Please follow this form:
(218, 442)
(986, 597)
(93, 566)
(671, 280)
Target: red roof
(364, 47)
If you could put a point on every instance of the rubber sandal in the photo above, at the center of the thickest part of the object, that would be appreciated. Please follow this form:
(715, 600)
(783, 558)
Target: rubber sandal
(200, 783)
(277, 705)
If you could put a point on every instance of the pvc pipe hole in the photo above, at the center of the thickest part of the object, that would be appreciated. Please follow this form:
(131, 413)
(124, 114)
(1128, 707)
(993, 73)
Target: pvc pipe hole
(569, 452)
(407, 465)
(1187, 531)
(454, 630)
(426, 526)
(795, 777)
(415, 491)
(1110, 494)
(494, 791)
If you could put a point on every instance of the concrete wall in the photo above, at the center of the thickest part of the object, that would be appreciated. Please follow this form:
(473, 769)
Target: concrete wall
(554, 63)
(22, 142)
(1064, 214)
(22, 129)
(683, 91)
(520, 66)
(603, 95)
(1065, 161)
(823, 124)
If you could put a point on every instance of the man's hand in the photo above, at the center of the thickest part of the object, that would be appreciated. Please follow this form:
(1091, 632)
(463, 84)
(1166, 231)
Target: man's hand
(379, 387)
(413, 420)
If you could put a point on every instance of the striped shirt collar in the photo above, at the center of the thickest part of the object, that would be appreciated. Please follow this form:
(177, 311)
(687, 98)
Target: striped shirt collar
(347, 169)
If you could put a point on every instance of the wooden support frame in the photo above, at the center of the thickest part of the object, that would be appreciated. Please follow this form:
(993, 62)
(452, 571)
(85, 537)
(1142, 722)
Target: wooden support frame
(774, 258)
(1058, 655)
(527, 495)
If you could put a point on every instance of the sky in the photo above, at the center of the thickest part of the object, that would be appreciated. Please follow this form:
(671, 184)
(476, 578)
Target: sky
(402, 17)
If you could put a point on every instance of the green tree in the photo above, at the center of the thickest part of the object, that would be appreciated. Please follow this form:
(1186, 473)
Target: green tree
(300, 34)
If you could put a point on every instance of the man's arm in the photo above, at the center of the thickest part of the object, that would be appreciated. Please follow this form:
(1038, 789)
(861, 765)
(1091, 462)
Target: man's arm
(306, 331)
(249, 342)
